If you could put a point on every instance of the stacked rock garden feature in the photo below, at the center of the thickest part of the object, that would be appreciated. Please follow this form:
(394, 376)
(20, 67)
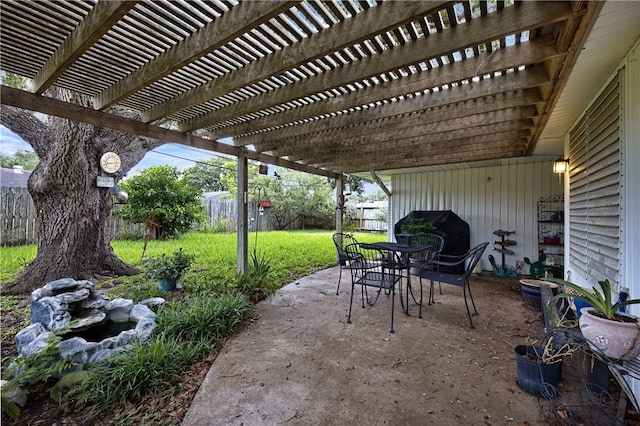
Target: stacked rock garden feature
(96, 327)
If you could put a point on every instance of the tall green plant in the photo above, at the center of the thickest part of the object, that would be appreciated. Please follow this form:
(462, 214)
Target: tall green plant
(601, 301)
(203, 317)
(420, 225)
(257, 277)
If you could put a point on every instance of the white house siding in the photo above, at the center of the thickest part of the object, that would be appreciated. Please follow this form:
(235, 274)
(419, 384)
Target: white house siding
(488, 198)
(630, 226)
(630, 235)
(627, 257)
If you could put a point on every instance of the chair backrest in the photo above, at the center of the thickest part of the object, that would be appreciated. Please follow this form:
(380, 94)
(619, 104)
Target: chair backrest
(434, 241)
(342, 240)
(363, 258)
(473, 257)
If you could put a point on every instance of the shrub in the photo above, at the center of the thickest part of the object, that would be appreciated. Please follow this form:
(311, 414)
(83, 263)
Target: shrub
(203, 318)
(186, 331)
(144, 368)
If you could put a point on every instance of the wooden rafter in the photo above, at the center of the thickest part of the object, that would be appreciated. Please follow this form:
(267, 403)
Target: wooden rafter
(306, 83)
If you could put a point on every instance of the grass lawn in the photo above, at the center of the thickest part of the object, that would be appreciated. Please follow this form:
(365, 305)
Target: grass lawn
(291, 253)
(210, 305)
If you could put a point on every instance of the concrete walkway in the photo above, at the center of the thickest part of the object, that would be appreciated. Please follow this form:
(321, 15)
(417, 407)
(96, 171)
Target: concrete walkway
(299, 363)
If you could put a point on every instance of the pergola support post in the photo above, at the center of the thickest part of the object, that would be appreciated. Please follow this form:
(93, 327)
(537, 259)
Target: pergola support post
(340, 200)
(243, 211)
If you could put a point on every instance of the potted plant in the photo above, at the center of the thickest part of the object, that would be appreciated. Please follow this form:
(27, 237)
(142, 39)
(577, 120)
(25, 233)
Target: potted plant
(167, 270)
(539, 366)
(416, 226)
(615, 334)
(255, 283)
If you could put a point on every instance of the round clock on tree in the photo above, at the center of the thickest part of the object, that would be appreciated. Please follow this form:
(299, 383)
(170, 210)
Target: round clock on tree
(110, 162)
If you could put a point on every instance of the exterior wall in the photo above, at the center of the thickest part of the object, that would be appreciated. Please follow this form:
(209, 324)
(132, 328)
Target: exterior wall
(488, 198)
(629, 176)
(629, 229)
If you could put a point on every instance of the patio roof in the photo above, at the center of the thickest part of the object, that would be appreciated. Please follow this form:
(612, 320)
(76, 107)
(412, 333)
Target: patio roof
(323, 86)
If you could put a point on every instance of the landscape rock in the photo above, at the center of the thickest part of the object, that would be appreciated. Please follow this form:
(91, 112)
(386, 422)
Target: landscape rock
(118, 310)
(87, 315)
(15, 394)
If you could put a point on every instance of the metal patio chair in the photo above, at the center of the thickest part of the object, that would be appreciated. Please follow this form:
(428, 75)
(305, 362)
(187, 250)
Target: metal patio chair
(369, 272)
(425, 257)
(342, 240)
(430, 271)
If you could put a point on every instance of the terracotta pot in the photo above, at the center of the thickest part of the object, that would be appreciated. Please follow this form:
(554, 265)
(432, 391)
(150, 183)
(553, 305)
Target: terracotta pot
(617, 340)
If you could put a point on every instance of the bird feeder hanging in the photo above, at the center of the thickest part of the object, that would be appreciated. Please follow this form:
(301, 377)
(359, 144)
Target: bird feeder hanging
(264, 207)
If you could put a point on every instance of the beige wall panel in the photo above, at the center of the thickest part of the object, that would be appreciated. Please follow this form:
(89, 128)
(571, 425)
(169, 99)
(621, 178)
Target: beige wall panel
(488, 198)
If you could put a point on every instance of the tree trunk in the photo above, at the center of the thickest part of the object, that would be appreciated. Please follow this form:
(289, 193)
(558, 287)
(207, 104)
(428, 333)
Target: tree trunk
(72, 212)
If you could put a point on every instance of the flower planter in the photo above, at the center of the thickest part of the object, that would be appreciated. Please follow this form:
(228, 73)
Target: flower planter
(535, 377)
(616, 339)
(551, 240)
(595, 373)
(166, 285)
(530, 290)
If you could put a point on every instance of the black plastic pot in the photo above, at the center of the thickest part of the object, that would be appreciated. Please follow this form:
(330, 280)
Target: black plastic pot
(595, 373)
(534, 376)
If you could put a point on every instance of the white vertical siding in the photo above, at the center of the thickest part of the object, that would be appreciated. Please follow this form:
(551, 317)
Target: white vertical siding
(630, 176)
(488, 198)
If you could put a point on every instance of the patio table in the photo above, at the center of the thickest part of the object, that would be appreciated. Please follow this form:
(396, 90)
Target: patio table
(404, 250)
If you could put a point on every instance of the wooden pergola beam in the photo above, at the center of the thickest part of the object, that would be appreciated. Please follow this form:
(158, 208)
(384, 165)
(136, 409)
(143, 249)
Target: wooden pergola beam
(516, 118)
(342, 35)
(55, 107)
(91, 29)
(238, 20)
(512, 82)
(419, 148)
(427, 160)
(519, 18)
(517, 99)
(533, 52)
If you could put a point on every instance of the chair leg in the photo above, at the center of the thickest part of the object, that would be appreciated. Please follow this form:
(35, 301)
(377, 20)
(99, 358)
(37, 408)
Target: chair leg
(339, 278)
(431, 298)
(467, 306)
(393, 304)
(420, 311)
(406, 309)
(350, 304)
(472, 302)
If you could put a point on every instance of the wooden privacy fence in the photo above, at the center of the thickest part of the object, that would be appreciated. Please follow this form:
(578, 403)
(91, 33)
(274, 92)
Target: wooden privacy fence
(367, 217)
(17, 217)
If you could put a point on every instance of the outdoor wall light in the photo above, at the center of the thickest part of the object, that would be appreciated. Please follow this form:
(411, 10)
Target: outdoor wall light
(560, 165)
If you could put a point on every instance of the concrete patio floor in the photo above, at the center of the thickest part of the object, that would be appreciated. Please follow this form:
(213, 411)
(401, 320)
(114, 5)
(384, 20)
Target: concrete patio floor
(298, 362)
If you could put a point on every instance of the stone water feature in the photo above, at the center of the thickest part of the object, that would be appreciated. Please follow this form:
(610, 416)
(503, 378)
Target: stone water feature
(98, 327)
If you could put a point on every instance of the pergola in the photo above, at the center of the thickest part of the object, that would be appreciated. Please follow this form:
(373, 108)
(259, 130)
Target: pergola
(330, 87)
